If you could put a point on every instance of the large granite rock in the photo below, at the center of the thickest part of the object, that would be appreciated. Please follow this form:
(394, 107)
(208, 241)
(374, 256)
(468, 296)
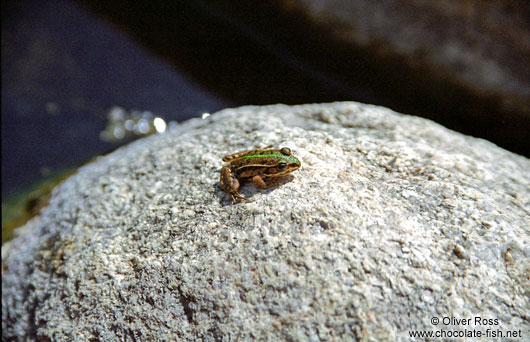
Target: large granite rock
(392, 220)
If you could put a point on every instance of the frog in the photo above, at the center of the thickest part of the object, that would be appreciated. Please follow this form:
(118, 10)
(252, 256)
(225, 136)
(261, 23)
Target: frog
(264, 167)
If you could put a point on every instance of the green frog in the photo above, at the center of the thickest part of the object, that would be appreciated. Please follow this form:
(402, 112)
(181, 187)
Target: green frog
(258, 166)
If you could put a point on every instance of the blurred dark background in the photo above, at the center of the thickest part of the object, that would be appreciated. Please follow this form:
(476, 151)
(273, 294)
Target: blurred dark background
(65, 63)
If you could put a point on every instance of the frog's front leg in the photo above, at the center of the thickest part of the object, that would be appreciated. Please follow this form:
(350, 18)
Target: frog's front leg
(260, 182)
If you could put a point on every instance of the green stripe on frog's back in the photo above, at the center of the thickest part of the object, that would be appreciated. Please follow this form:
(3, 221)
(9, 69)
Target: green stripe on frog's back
(268, 158)
(272, 155)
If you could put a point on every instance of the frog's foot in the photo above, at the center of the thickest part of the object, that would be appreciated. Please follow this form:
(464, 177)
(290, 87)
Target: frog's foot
(238, 197)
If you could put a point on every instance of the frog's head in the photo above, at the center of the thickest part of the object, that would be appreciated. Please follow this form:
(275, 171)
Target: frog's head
(284, 163)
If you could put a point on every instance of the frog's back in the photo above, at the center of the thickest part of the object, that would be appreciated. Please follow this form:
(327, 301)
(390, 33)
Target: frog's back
(240, 154)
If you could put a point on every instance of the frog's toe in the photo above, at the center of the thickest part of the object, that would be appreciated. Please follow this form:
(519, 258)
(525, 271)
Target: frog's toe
(239, 197)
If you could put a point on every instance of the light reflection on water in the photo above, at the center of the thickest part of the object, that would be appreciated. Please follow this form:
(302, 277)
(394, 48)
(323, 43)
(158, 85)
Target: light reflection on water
(122, 124)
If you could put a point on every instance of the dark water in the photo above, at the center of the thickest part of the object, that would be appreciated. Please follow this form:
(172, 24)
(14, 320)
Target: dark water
(63, 68)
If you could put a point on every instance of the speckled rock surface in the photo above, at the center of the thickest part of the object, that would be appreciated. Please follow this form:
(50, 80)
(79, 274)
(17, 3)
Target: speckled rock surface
(392, 220)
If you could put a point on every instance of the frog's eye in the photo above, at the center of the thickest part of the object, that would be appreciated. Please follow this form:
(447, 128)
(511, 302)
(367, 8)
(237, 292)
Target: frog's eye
(282, 166)
(286, 151)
